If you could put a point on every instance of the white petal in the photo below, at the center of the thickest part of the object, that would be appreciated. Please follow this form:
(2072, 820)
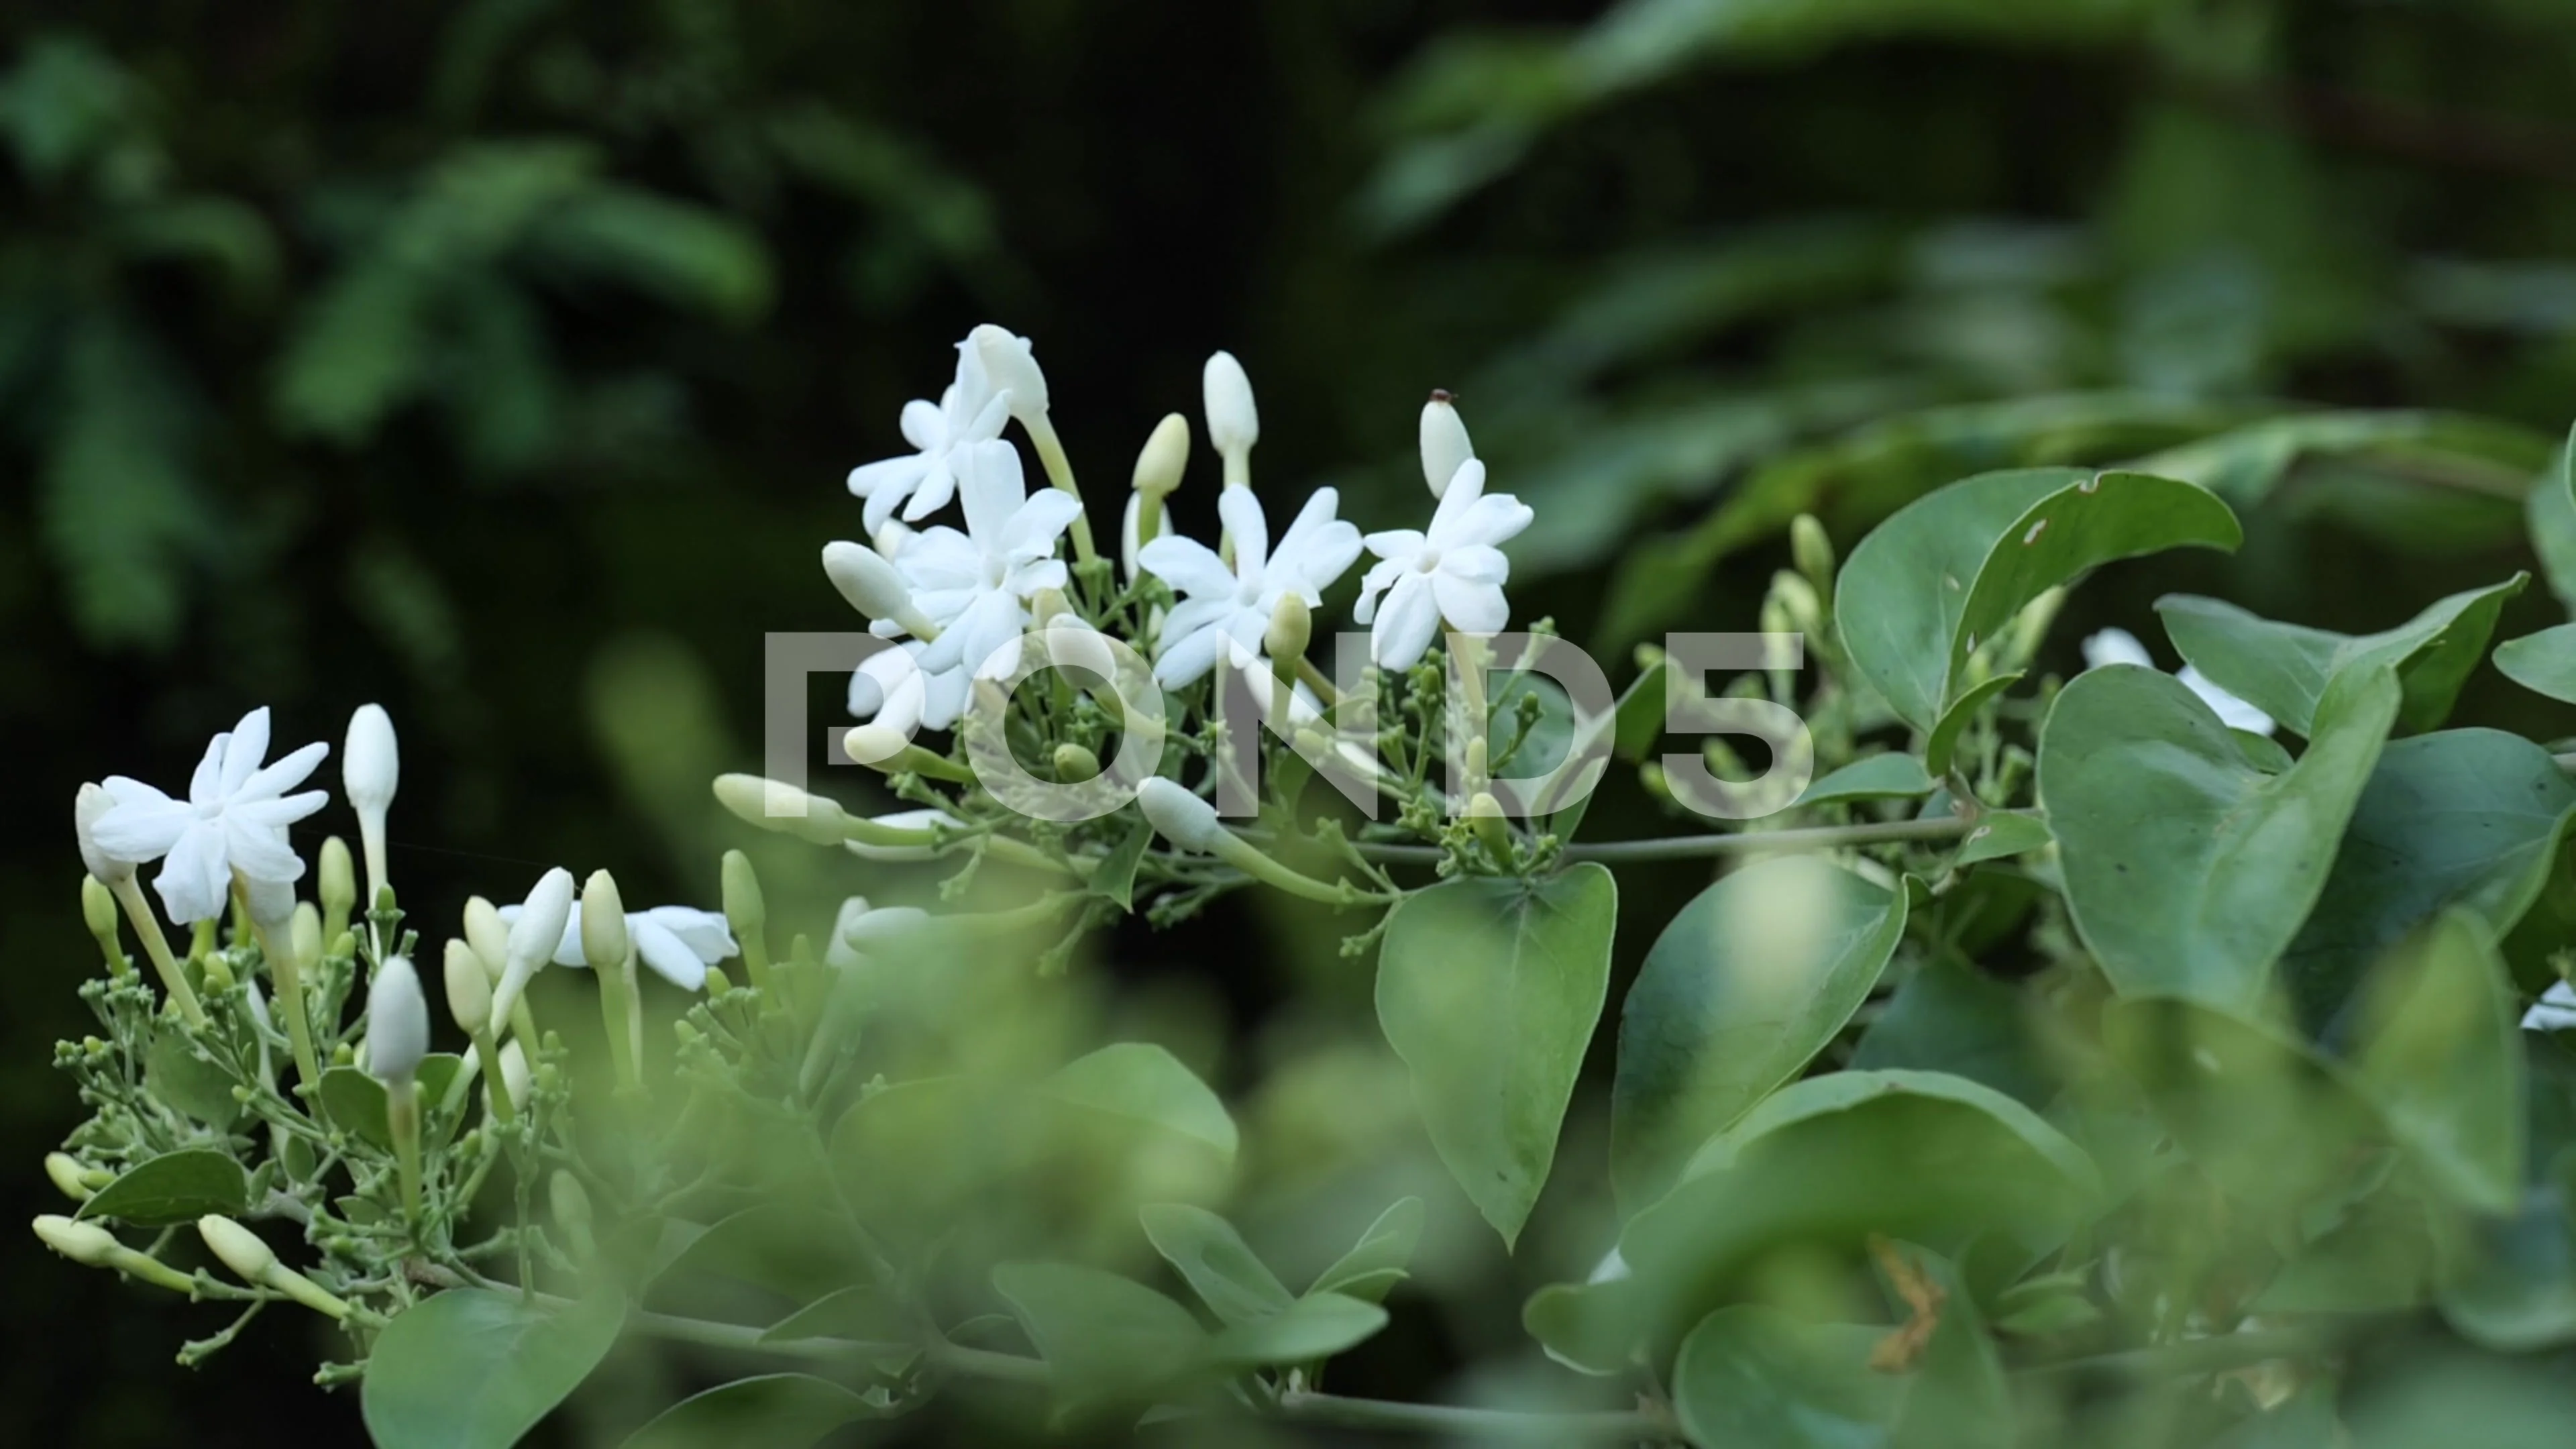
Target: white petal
(1188, 657)
(261, 854)
(938, 485)
(1407, 619)
(670, 957)
(195, 879)
(1187, 565)
(1396, 543)
(141, 827)
(285, 775)
(1477, 563)
(1466, 486)
(1241, 514)
(1489, 520)
(249, 746)
(1374, 583)
(1470, 607)
(206, 786)
(923, 425)
(1038, 523)
(2232, 712)
(990, 481)
(703, 932)
(2116, 646)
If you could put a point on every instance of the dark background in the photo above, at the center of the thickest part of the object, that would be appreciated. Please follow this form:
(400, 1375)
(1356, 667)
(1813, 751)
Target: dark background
(500, 362)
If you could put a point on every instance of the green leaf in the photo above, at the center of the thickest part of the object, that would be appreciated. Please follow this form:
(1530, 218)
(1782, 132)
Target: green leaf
(1751, 980)
(1950, 570)
(1227, 1275)
(476, 1369)
(2467, 818)
(177, 1073)
(2188, 870)
(865, 1314)
(1753, 1375)
(355, 1102)
(1880, 777)
(1943, 742)
(2284, 669)
(1950, 1016)
(2441, 1050)
(2544, 663)
(2261, 1113)
(1114, 878)
(1378, 1260)
(2509, 1283)
(2002, 833)
(1489, 990)
(2549, 511)
(1812, 1174)
(1145, 1083)
(172, 1189)
(1308, 1330)
(1102, 1336)
(782, 1411)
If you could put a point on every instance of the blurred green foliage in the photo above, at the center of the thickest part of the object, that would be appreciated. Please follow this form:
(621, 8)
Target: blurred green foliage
(501, 360)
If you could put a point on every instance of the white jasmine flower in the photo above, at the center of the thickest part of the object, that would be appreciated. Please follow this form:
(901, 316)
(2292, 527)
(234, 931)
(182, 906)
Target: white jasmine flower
(678, 942)
(2119, 646)
(1228, 611)
(891, 688)
(971, 411)
(975, 585)
(1445, 447)
(1453, 572)
(234, 819)
(2554, 1011)
(397, 1022)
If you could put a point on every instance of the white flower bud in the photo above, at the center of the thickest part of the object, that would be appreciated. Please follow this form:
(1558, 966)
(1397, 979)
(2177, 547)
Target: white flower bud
(534, 937)
(1233, 423)
(336, 880)
(1130, 537)
(874, 744)
(469, 989)
(1011, 365)
(397, 1022)
(87, 1244)
(884, 926)
(777, 805)
(272, 907)
(870, 584)
(1444, 442)
(744, 908)
(1165, 457)
(1186, 820)
(241, 1250)
(603, 923)
(93, 802)
(514, 1075)
(68, 1176)
(1292, 624)
(306, 933)
(489, 935)
(370, 767)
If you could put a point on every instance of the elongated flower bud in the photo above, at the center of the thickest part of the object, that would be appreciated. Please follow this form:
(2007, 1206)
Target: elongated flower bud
(534, 937)
(1444, 442)
(98, 912)
(67, 1175)
(92, 802)
(370, 768)
(882, 926)
(1165, 457)
(1186, 820)
(603, 923)
(397, 1022)
(1291, 625)
(306, 933)
(1011, 365)
(1812, 551)
(1233, 423)
(873, 586)
(87, 1244)
(469, 989)
(245, 1252)
(336, 880)
(777, 805)
(744, 908)
(513, 1060)
(488, 934)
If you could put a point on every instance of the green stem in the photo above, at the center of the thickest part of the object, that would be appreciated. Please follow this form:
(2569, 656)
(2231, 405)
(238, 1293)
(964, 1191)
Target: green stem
(1696, 847)
(1606, 1425)
(1059, 471)
(147, 929)
(402, 1119)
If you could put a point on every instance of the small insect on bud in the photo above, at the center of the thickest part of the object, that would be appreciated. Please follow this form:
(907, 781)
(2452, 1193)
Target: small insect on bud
(1445, 445)
(397, 1022)
(469, 989)
(603, 923)
(1182, 817)
(87, 1244)
(1233, 423)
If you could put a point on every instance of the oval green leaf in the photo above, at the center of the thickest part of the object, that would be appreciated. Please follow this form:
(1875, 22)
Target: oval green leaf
(1489, 989)
(1379, 1259)
(2544, 663)
(173, 1189)
(1215, 1261)
(2188, 870)
(1880, 777)
(1753, 1375)
(2284, 669)
(476, 1369)
(1308, 1330)
(1748, 983)
(1102, 1336)
(1144, 1083)
(781, 1411)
